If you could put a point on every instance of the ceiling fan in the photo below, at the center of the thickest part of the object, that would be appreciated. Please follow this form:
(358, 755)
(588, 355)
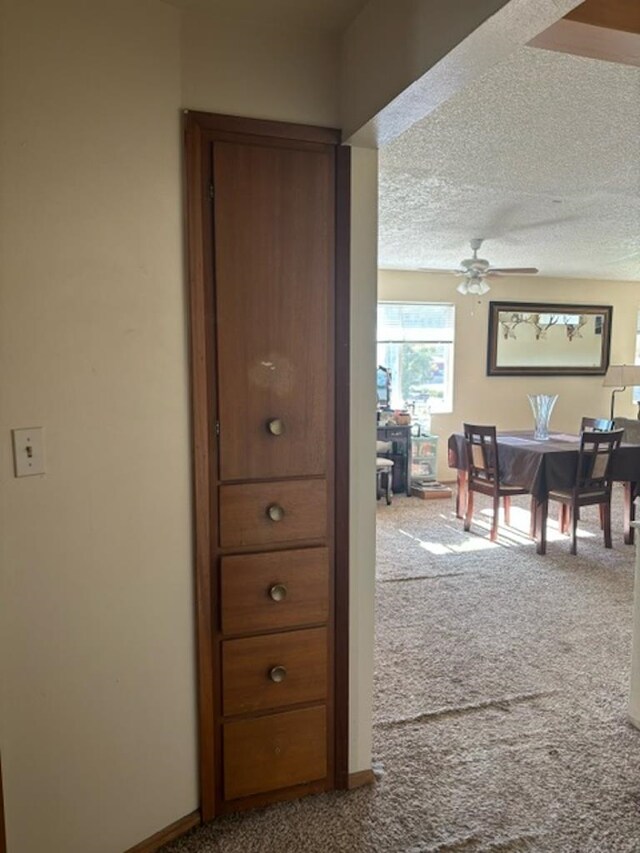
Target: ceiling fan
(476, 270)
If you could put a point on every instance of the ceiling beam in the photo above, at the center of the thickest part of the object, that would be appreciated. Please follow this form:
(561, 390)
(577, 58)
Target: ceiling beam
(622, 15)
(401, 59)
(579, 39)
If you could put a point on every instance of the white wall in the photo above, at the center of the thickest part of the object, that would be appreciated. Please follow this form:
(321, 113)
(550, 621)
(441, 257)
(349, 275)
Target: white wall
(503, 399)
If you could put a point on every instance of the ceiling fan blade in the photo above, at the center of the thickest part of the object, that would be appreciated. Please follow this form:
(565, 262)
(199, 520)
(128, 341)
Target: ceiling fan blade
(442, 272)
(512, 271)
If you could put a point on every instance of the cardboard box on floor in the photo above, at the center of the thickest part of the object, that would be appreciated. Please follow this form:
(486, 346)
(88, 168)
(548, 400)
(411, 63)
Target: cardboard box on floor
(429, 490)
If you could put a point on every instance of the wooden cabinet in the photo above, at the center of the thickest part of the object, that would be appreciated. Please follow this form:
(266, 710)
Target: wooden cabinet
(265, 332)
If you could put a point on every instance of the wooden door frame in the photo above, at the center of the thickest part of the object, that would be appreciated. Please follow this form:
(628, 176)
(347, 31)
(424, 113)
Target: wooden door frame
(200, 129)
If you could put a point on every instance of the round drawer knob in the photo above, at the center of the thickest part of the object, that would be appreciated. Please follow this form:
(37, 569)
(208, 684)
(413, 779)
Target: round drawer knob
(277, 674)
(275, 512)
(275, 426)
(278, 592)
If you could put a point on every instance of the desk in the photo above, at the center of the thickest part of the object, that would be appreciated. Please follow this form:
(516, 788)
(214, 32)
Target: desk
(540, 466)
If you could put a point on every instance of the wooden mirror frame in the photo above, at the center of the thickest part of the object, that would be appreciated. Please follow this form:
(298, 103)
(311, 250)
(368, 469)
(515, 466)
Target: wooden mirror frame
(567, 369)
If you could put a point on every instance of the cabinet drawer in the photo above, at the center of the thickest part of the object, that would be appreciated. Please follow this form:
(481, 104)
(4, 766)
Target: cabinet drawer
(283, 589)
(273, 752)
(259, 673)
(277, 512)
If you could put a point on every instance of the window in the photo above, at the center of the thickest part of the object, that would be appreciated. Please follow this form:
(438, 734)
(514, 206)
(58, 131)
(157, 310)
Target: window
(415, 342)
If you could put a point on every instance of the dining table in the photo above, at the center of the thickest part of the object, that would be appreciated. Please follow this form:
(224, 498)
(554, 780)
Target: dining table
(544, 465)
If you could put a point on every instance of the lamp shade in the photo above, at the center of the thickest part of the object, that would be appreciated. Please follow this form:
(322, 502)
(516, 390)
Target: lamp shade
(622, 375)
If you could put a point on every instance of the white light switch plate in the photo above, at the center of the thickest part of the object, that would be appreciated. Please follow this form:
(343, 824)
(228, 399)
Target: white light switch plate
(28, 451)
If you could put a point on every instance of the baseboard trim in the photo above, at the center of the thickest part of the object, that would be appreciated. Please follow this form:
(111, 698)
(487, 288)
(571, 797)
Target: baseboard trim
(184, 824)
(169, 833)
(362, 777)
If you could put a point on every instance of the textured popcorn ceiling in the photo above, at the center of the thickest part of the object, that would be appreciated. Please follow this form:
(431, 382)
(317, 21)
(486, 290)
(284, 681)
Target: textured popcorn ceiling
(541, 157)
(326, 15)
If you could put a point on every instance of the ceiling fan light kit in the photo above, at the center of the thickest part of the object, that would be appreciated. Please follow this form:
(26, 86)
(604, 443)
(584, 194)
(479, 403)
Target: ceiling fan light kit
(473, 287)
(476, 270)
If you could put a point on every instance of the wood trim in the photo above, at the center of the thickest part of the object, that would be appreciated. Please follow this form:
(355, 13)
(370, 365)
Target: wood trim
(361, 778)
(200, 319)
(621, 15)
(578, 39)
(169, 833)
(260, 127)
(342, 460)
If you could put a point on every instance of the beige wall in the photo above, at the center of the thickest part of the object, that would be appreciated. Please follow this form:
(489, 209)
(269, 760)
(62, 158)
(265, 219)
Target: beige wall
(98, 731)
(364, 250)
(98, 716)
(255, 69)
(503, 400)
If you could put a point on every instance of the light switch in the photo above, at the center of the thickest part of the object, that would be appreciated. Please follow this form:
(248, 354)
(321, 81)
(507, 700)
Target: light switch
(28, 451)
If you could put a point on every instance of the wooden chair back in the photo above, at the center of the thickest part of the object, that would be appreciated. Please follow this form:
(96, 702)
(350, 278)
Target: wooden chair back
(482, 453)
(596, 425)
(594, 460)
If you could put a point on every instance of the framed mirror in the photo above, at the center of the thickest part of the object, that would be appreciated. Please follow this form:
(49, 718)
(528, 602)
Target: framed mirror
(547, 339)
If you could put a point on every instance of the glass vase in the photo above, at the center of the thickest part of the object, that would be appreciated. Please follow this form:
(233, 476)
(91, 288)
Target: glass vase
(542, 406)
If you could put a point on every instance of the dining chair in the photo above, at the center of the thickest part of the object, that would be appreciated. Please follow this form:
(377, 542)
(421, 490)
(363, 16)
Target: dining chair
(596, 424)
(592, 485)
(483, 475)
(592, 425)
(630, 435)
(384, 470)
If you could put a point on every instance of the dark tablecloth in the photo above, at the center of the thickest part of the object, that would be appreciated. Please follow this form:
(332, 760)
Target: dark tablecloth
(540, 466)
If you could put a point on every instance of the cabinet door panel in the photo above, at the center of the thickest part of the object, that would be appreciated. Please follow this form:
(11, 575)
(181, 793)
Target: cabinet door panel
(274, 253)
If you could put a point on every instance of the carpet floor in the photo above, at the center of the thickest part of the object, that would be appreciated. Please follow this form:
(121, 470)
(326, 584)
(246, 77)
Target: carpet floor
(500, 697)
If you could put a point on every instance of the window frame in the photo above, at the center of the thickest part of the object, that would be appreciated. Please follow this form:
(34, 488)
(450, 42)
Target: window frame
(449, 384)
